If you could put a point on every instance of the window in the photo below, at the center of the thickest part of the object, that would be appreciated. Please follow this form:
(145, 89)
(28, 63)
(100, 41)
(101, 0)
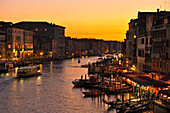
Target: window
(167, 43)
(157, 64)
(9, 46)
(2, 38)
(28, 39)
(158, 35)
(150, 41)
(155, 35)
(167, 67)
(9, 37)
(146, 40)
(165, 21)
(161, 35)
(153, 64)
(141, 53)
(17, 39)
(165, 34)
(28, 46)
(167, 55)
(164, 65)
(142, 41)
(160, 64)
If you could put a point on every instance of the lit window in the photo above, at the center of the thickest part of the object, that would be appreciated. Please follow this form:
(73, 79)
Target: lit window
(134, 36)
(9, 46)
(165, 21)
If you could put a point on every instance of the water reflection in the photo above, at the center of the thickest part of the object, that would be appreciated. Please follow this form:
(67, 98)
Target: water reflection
(14, 85)
(21, 82)
(72, 60)
(51, 67)
(52, 91)
(38, 81)
(38, 87)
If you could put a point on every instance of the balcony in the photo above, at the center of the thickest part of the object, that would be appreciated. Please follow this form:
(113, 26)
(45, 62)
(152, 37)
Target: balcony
(61, 45)
(159, 27)
(156, 55)
(157, 39)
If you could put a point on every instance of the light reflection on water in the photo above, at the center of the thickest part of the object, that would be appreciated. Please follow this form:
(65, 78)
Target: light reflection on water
(50, 92)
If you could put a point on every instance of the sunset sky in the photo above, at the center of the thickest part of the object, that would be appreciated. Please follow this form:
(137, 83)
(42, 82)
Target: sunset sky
(100, 19)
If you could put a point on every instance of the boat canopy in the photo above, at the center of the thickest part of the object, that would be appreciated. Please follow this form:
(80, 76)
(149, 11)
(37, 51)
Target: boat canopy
(165, 92)
(29, 67)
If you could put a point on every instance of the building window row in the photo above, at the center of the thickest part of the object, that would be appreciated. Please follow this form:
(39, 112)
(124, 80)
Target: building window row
(160, 35)
(160, 65)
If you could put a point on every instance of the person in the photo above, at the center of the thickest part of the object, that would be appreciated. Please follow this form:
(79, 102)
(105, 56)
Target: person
(78, 60)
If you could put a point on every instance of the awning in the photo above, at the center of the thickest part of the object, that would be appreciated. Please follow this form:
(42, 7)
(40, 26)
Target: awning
(141, 79)
(165, 92)
(166, 78)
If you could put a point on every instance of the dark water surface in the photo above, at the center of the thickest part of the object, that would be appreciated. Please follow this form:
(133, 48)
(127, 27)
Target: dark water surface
(52, 92)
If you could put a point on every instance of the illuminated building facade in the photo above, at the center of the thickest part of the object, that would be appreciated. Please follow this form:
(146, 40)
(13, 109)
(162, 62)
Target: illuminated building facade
(2, 45)
(150, 35)
(49, 39)
(19, 44)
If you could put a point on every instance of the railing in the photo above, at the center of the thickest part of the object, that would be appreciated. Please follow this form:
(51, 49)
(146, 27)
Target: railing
(147, 55)
(146, 67)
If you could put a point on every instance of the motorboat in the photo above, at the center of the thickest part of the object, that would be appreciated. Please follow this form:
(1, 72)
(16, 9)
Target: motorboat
(28, 71)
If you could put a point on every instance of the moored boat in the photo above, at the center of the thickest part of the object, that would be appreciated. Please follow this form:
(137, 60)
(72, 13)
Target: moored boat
(6, 66)
(89, 84)
(118, 102)
(28, 71)
(93, 93)
(79, 82)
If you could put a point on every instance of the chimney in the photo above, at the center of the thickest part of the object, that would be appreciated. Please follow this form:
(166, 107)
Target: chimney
(158, 10)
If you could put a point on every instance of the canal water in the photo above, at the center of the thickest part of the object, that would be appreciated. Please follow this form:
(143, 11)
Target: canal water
(52, 92)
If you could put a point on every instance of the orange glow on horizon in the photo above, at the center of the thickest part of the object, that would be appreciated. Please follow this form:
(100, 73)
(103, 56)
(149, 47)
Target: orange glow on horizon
(99, 19)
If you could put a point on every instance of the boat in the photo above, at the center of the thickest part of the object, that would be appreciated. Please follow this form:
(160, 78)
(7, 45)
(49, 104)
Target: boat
(113, 103)
(124, 89)
(163, 100)
(28, 71)
(90, 84)
(136, 106)
(79, 82)
(100, 58)
(86, 65)
(6, 66)
(93, 93)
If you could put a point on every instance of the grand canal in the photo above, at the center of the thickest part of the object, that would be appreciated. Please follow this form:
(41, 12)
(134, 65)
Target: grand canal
(52, 92)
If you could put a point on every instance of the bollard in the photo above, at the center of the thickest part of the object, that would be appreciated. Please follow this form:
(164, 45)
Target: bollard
(85, 77)
(81, 78)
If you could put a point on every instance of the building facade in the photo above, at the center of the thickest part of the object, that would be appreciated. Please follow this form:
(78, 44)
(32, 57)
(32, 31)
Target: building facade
(46, 34)
(19, 43)
(2, 45)
(131, 46)
(160, 44)
(150, 31)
